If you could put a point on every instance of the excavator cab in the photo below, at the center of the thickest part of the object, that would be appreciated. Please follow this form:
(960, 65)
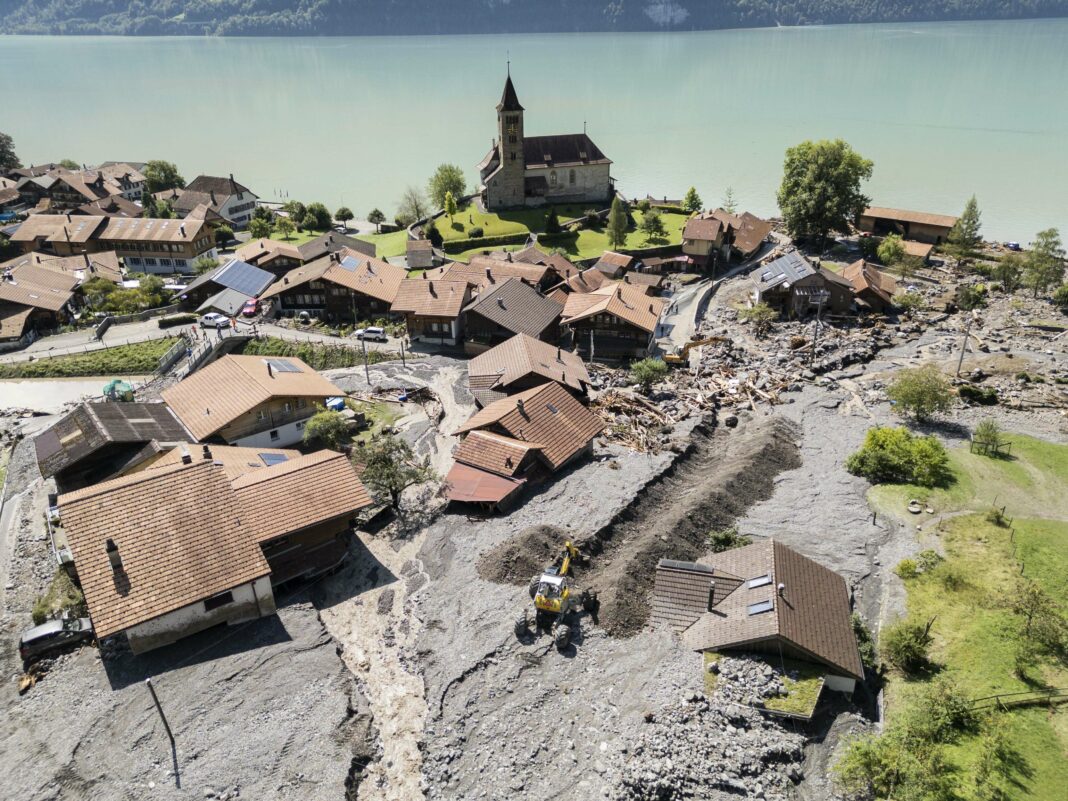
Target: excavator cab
(551, 592)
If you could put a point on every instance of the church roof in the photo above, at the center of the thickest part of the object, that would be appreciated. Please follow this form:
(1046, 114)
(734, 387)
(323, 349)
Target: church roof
(560, 151)
(509, 99)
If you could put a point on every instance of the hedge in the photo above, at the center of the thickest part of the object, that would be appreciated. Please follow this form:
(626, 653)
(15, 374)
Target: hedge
(460, 245)
(172, 320)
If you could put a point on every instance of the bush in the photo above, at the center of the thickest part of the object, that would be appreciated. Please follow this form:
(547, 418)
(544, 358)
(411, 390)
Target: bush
(171, 320)
(865, 642)
(951, 578)
(328, 427)
(910, 302)
(996, 517)
(223, 234)
(920, 392)
(761, 316)
(61, 596)
(928, 560)
(647, 372)
(475, 232)
(905, 645)
(726, 539)
(971, 296)
(980, 396)
(988, 435)
(906, 569)
(895, 455)
(947, 710)
(552, 223)
(1060, 296)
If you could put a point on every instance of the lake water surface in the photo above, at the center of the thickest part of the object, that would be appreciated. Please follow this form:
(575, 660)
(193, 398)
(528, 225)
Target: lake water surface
(944, 109)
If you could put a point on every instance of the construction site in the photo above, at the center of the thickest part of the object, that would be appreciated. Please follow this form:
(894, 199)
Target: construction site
(406, 673)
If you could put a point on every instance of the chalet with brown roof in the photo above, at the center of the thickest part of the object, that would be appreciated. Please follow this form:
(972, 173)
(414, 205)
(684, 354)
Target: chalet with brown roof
(614, 264)
(98, 441)
(275, 257)
(872, 287)
(762, 598)
(226, 197)
(433, 309)
(32, 299)
(518, 439)
(585, 281)
(617, 322)
(745, 232)
(334, 242)
(795, 287)
(649, 283)
(920, 226)
(506, 309)
(419, 254)
(703, 240)
(346, 286)
(172, 550)
(485, 271)
(250, 400)
(521, 363)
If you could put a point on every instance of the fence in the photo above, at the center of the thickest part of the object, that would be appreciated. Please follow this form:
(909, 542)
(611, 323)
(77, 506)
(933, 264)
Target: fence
(140, 317)
(174, 355)
(86, 347)
(1006, 701)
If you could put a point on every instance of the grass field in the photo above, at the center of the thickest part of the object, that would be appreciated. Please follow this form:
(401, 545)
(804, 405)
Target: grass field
(318, 355)
(379, 414)
(387, 245)
(970, 596)
(136, 359)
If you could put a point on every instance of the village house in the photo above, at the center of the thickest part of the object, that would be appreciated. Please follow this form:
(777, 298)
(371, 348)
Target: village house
(533, 170)
(649, 283)
(432, 309)
(519, 438)
(250, 400)
(484, 271)
(532, 254)
(746, 232)
(919, 226)
(333, 242)
(614, 323)
(275, 257)
(169, 551)
(224, 196)
(419, 255)
(145, 245)
(506, 309)
(794, 287)
(347, 287)
(227, 288)
(126, 177)
(113, 206)
(703, 240)
(762, 598)
(613, 264)
(872, 287)
(98, 441)
(85, 267)
(33, 299)
(583, 282)
(523, 362)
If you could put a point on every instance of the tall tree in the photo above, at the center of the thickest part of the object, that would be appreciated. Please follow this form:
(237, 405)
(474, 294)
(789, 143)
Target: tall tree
(964, 237)
(617, 224)
(286, 227)
(692, 201)
(161, 176)
(730, 204)
(450, 205)
(390, 467)
(377, 217)
(652, 225)
(820, 189)
(8, 159)
(447, 178)
(321, 216)
(294, 208)
(259, 229)
(1009, 271)
(343, 215)
(412, 206)
(891, 250)
(1045, 262)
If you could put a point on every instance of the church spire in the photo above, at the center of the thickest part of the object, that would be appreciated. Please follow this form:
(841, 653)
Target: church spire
(509, 99)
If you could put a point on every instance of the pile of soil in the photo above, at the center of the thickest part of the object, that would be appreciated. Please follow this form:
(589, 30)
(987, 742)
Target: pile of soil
(516, 559)
(707, 489)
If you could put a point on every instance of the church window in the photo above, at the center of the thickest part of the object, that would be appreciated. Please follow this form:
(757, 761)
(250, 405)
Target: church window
(552, 178)
(571, 177)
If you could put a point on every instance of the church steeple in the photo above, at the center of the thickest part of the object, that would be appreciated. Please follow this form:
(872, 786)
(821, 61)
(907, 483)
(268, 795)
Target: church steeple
(509, 99)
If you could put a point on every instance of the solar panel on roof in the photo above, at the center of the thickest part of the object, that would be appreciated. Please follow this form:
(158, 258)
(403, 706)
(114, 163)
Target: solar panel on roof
(270, 459)
(283, 366)
(244, 278)
(350, 263)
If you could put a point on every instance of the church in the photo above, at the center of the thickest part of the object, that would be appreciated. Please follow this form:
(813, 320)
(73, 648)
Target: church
(534, 170)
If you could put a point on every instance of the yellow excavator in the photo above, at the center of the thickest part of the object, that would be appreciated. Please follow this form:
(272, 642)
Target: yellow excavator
(682, 355)
(551, 591)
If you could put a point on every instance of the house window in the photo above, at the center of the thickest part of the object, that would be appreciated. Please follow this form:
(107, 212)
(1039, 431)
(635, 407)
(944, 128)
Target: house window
(261, 415)
(571, 177)
(759, 581)
(302, 403)
(759, 608)
(274, 435)
(552, 178)
(215, 601)
(287, 408)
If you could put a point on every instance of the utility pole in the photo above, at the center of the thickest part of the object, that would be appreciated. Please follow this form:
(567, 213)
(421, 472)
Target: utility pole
(159, 708)
(964, 344)
(366, 370)
(816, 331)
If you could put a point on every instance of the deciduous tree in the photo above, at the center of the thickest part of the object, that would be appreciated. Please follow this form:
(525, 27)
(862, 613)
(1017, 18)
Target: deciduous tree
(692, 201)
(343, 215)
(1045, 262)
(412, 206)
(617, 224)
(321, 216)
(821, 188)
(286, 227)
(69, 164)
(161, 176)
(920, 392)
(259, 229)
(447, 178)
(1009, 271)
(8, 159)
(377, 217)
(760, 316)
(223, 234)
(328, 427)
(652, 224)
(390, 467)
(647, 372)
(891, 250)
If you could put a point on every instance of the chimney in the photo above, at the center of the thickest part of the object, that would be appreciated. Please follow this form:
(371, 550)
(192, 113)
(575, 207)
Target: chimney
(270, 370)
(782, 589)
(519, 405)
(186, 457)
(285, 279)
(559, 355)
(212, 194)
(181, 229)
(206, 452)
(113, 555)
(489, 274)
(432, 292)
(500, 302)
(711, 595)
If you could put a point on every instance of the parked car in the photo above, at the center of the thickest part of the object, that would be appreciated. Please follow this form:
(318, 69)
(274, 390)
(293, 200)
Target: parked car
(372, 334)
(54, 636)
(214, 320)
(251, 307)
(1014, 246)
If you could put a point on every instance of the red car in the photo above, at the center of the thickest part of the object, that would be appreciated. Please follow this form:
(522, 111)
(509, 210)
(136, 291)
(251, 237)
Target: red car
(251, 308)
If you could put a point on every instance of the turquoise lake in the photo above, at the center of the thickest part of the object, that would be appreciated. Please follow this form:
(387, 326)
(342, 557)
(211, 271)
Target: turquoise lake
(944, 109)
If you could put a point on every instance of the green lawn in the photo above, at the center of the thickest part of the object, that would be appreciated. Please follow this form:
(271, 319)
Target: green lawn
(976, 629)
(317, 355)
(801, 693)
(387, 245)
(379, 415)
(137, 359)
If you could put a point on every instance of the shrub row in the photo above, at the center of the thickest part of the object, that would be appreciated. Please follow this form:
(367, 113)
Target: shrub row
(171, 320)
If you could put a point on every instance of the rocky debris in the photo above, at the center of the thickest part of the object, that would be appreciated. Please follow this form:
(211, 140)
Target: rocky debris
(748, 681)
(698, 746)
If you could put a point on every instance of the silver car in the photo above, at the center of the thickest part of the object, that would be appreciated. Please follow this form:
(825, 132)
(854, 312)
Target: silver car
(54, 636)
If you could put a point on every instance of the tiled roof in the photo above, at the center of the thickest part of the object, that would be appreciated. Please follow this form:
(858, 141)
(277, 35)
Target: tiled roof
(91, 426)
(703, 228)
(865, 276)
(493, 452)
(521, 356)
(548, 415)
(179, 533)
(27, 284)
(561, 150)
(13, 320)
(904, 215)
(332, 242)
(58, 228)
(614, 263)
(218, 394)
(585, 281)
(142, 229)
(654, 280)
(259, 250)
(812, 615)
(298, 493)
(218, 185)
(483, 270)
(517, 307)
(429, 298)
(471, 485)
(111, 206)
(628, 303)
(921, 249)
(234, 461)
